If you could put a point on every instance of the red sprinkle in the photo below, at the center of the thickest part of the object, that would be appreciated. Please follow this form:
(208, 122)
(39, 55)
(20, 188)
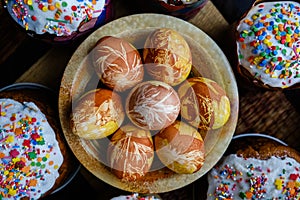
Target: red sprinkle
(34, 18)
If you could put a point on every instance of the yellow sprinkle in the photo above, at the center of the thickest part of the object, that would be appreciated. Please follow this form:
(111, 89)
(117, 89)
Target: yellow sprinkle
(6, 172)
(56, 167)
(267, 71)
(268, 15)
(57, 5)
(14, 160)
(12, 192)
(266, 41)
(274, 76)
(29, 2)
(278, 184)
(45, 9)
(10, 139)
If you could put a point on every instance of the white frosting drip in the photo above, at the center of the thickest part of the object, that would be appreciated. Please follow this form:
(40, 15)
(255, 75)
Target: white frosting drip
(27, 118)
(238, 174)
(135, 196)
(58, 17)
(266, 69)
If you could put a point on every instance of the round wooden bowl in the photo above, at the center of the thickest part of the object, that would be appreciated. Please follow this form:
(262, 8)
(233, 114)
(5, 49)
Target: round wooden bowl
(79, 77)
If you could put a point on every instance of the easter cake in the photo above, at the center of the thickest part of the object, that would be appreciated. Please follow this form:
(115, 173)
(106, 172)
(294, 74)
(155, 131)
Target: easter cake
(268, 44)
(34, 158)
(59, 20)
(257, 169)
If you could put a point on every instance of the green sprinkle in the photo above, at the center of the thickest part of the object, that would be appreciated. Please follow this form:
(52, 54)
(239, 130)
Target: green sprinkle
(242, 195)
(283, 51)
(64, 4)
(263, 54)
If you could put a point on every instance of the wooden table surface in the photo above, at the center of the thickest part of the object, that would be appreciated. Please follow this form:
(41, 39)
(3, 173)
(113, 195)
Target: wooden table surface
(24, 59)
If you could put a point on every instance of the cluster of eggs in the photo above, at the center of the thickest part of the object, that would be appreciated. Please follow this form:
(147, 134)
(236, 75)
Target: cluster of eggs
(163, 108)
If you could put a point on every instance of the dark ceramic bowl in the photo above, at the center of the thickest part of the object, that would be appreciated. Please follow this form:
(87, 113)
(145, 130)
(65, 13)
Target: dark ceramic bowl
(177, 8)
(60, 25)
(51, 95)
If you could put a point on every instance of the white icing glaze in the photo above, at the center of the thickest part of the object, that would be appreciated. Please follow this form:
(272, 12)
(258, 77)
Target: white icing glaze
(268, 178)
(135, 196)
(27, 140)
(266, 57)
(59, 17)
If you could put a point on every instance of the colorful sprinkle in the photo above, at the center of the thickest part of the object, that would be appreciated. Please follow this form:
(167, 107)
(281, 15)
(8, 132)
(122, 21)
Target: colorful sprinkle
(239, 178)
(269, 35)
(52, 19)
(25, 153)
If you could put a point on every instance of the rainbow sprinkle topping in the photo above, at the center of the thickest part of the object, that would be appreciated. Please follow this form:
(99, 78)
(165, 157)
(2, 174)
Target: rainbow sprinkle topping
(253, 179)
(268, 43)
(59, 17)
(29, 153)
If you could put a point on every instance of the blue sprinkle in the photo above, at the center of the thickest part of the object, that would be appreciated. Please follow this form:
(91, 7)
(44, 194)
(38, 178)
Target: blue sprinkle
(269, 28)
(263, 63)
(261, 37)
(268, 51)
(259, 47)
(275, 52)
(283, 33)
(255, 51)
(278, 67)
(272, 23)
(260, 10)
(296, 30)
(291, 5)
(280, 16)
